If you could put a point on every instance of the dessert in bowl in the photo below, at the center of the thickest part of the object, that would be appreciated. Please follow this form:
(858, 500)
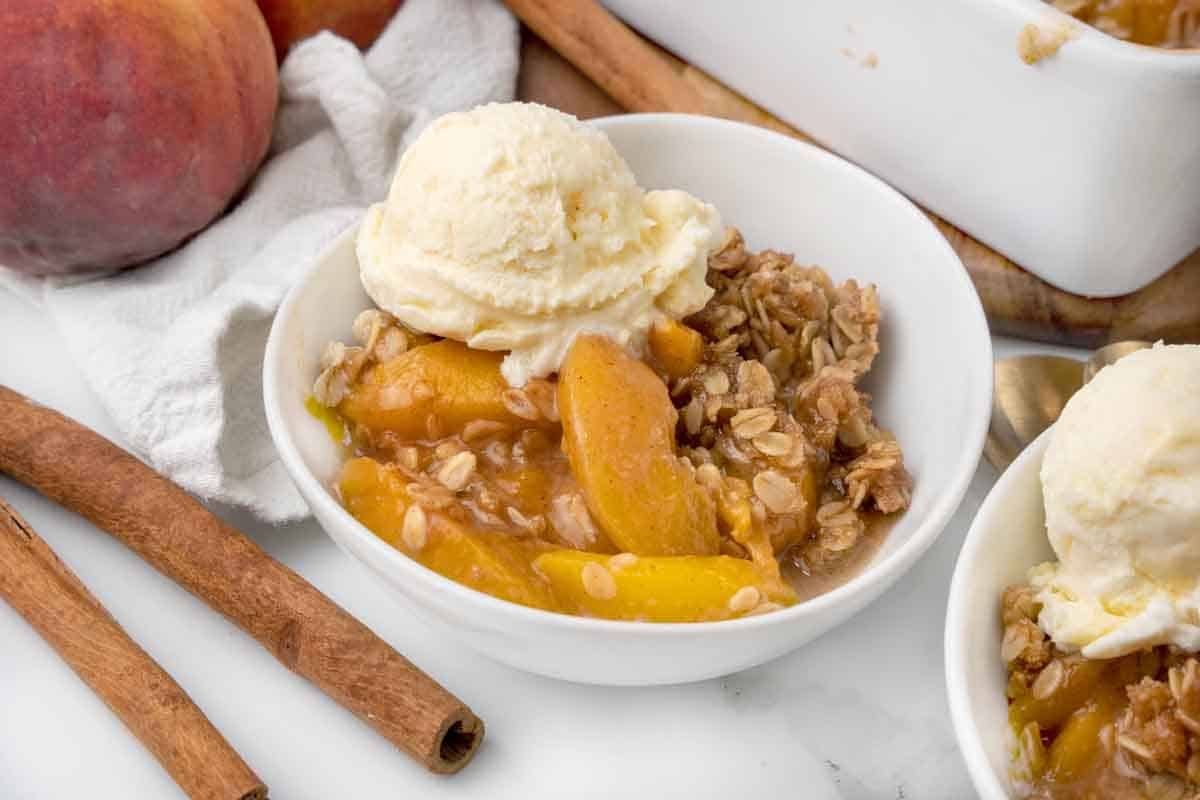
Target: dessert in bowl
(1072, 629)
(1171, 24)
(569, 453)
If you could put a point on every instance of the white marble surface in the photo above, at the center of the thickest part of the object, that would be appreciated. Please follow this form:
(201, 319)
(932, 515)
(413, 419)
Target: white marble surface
(859, 714)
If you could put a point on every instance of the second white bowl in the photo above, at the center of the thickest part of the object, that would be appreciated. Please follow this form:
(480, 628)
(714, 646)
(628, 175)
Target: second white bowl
(1007, 537)
(931, 384)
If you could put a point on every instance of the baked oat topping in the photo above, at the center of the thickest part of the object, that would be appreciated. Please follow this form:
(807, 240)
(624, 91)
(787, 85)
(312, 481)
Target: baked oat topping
(744, 599)
(1121, 729)
(572, 521)
(456, 473)
(598, 582)
(785, 348)
(416, 525)
(621, 560)
(761, 414)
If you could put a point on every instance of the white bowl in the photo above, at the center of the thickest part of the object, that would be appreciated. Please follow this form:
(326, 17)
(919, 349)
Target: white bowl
(932, 387)
(1083, 168)
(1007, 537)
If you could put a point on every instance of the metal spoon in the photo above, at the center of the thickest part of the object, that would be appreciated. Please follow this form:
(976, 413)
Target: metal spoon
(1031, 392)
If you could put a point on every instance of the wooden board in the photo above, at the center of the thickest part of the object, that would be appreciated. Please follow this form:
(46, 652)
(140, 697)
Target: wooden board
(1017, 303)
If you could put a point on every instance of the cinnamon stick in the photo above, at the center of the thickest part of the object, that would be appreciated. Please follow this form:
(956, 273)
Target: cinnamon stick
(617, 59)
(152, 705)
(306, 631)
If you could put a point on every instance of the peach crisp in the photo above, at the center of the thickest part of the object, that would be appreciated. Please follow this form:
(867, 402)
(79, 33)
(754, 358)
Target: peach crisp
(728, 473)
(1159, 23)
(1125, 728)
(1100, 644)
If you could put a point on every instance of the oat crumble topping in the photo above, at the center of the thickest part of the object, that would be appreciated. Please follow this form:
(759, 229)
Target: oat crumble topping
(771, 426)
(1121, 729)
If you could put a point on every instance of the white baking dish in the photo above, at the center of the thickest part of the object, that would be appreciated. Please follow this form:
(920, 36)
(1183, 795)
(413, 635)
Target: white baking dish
(1084, 168)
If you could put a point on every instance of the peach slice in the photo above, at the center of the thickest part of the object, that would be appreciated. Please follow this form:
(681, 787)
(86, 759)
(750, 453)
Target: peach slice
(445, 381)
(619, 436)
(734, 511)
(489, 561)
(1076, 748)
(659, 589)
(1080, 682)
(675, 347)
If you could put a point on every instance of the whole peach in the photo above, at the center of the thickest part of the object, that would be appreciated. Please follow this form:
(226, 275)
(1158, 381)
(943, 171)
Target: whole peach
(360, 21)
(129, 125)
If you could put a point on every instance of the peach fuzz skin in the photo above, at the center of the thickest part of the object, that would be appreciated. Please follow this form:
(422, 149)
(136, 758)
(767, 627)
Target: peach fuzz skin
(129, 126)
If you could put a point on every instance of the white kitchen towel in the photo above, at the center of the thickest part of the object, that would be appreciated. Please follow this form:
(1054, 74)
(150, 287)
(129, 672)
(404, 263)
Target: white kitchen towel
(174, 348)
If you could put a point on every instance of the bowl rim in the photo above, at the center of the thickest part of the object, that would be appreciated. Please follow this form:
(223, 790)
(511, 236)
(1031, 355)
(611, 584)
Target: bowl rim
(876, 574)
(962, 716)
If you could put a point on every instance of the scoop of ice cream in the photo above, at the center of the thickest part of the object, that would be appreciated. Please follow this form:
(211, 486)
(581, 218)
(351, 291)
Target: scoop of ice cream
(515, 227)
(1121, 481)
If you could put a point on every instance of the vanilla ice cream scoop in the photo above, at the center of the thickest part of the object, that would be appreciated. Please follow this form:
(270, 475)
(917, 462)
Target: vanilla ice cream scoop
(515, 227)
(1121, 481)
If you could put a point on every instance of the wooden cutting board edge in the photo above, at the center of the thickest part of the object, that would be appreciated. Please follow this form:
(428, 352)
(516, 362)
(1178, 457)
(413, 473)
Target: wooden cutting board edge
(1017, 303)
